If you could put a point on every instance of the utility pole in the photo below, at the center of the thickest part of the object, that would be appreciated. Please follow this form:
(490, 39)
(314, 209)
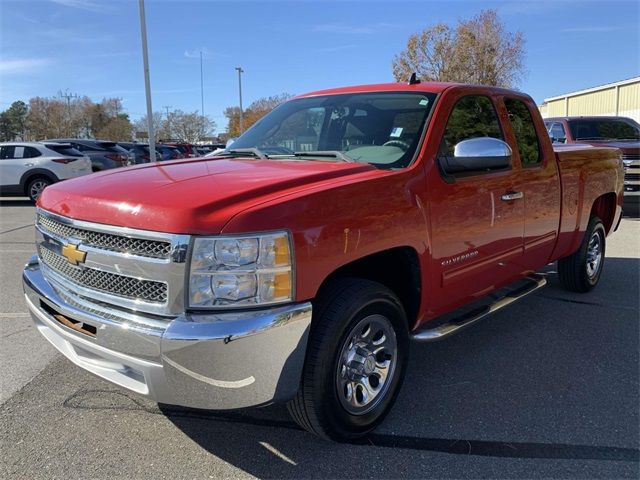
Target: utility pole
(147, 82)
(240, 72)
(68, 96)
(167, 107)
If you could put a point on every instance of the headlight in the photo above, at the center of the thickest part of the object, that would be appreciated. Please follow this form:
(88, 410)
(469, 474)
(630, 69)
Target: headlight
(239, 271)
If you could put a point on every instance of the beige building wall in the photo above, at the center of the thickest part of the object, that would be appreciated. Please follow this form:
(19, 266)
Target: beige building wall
(620, 98)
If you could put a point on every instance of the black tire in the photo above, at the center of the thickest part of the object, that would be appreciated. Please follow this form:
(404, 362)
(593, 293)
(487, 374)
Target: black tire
(36, 186)
(341, 307)
(576, 272)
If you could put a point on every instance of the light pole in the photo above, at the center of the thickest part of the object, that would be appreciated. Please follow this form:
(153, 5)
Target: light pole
(147, 83)
(240, 72)
(201, 88)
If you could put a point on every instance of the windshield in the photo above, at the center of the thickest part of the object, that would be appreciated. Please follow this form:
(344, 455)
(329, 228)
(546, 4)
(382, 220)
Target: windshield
(382, 128)
(605, 129)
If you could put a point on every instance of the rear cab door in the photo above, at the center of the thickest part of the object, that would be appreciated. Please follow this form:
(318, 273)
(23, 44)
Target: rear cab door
(476, 226)
(539, 179)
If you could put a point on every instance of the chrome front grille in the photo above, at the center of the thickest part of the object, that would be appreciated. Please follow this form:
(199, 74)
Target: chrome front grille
(136, 270)
(631, 156)
(114, 284)
(107, 241)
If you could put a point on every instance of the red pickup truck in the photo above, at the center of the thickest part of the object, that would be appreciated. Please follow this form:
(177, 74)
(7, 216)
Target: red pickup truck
(618, 132)
(298, 264)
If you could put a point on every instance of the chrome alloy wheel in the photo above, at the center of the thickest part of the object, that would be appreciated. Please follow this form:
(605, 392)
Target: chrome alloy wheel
(594, 255)
(366, 364)
(36, 188)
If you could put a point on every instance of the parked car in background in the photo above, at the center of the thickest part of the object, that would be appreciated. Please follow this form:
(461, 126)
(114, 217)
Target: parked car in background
(27, 168)
(618, 132)
(186, 149)
(104, 154)
(140, 151)
(169, 153)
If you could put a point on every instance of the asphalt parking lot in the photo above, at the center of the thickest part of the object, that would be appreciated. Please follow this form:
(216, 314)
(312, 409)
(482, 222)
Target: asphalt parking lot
(546, 388)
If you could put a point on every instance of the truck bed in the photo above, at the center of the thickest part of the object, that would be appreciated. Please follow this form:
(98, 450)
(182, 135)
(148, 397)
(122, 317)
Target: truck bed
(585, 173)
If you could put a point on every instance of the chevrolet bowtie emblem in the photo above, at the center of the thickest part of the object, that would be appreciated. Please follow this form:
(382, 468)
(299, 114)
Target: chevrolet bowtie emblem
(71, 253)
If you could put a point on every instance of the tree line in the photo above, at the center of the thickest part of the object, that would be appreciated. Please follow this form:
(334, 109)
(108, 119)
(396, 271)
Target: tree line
(80, 117)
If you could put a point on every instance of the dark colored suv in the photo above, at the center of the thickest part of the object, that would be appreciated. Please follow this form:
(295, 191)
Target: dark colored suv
(103, 154)
(140, 151)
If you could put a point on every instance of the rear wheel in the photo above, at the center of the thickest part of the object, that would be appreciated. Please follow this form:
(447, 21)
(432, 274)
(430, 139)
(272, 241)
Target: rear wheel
(36, 186)
(581, 271)
(355, 360)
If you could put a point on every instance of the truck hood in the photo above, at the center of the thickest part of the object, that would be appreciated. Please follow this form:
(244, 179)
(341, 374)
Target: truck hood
(194, 196)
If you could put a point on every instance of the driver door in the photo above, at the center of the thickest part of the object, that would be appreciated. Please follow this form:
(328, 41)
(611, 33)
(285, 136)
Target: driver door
(477, 218)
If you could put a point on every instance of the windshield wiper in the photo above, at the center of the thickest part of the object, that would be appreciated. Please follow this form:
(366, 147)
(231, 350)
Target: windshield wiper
(243, 152)
(324, 154)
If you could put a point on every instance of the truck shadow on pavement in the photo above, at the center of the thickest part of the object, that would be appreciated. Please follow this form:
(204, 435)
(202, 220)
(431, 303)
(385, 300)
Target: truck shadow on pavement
(16, 203)
(552, 377)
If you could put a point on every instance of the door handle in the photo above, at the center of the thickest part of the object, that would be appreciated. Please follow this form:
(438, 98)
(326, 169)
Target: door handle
(507, 197)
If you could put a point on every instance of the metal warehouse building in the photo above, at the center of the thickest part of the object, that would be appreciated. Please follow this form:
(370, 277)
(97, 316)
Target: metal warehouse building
(619, 98)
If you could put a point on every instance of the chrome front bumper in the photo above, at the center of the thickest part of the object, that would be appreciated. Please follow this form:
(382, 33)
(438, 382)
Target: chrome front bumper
(214, 361)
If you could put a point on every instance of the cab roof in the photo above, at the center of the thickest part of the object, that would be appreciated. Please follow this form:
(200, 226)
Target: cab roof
(431, 87)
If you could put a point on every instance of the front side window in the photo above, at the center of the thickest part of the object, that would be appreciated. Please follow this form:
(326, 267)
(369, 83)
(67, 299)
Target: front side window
(6, 152)
(557, 133)
(525, 132)
(604, 129)
(472, 116)
(383, 129)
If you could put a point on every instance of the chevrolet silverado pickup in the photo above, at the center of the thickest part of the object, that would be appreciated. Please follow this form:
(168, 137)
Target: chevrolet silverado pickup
(297, 265)
(617, 132)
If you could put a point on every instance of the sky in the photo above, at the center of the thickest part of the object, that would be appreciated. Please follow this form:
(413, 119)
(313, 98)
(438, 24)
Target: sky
(93, 47)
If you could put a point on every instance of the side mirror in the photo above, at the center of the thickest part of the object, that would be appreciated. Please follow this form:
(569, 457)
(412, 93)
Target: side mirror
(477, 154)
(229, 142)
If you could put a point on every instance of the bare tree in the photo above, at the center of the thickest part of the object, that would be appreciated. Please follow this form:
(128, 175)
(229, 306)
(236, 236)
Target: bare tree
(253, 113)
(189, 127)
(479, 50)
(159, 127)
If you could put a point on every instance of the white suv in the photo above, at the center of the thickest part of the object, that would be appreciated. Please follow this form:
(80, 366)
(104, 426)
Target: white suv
(26, 168)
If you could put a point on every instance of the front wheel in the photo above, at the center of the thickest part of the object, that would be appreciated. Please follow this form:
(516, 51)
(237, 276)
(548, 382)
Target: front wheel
(355, 360)
(581, 271)
(36, 186)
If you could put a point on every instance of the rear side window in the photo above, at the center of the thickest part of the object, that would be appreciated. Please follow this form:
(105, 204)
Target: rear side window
(65, 150)
(472, 117)
(31, 152)
(525, 132)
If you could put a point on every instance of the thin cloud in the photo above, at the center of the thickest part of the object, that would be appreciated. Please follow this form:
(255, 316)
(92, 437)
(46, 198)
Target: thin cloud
(23, 65)
(337, 48)
(353, 29)
(89, 5)
(531, 8)
(206, 53)
(589, 29)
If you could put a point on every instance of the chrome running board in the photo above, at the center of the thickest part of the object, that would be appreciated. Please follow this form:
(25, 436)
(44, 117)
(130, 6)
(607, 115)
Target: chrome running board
(534, 282)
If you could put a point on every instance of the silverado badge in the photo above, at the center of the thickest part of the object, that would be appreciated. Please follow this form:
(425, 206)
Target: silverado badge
(71, 253)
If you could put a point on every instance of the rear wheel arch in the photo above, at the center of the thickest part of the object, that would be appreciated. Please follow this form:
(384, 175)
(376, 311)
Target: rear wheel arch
(29, 176)
(604, 207)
